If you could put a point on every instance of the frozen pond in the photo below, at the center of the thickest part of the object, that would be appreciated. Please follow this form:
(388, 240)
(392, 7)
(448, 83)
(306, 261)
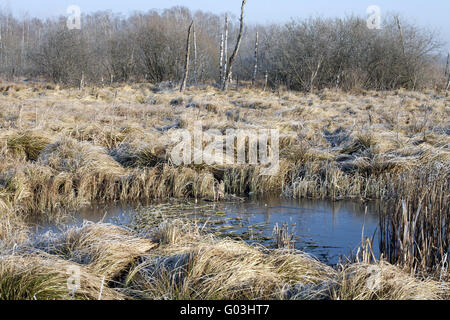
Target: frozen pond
(325, 229)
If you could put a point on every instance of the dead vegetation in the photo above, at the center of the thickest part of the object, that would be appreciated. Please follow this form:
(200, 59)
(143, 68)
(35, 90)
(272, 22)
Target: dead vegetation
(62, 148)
(180, 262)
(86, 147)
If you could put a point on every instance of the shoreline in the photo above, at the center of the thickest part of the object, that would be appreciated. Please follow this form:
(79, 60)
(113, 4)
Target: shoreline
(65, 148)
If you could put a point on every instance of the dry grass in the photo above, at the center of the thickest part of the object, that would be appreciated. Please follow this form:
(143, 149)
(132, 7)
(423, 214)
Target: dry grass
(415, 231)
(13, 229)
(190, 265)
(284, 236)
(383, 281)
(26, 145)
(40, 276)
(65, 148)
(101, 144)
(41, 269)
(106, 249)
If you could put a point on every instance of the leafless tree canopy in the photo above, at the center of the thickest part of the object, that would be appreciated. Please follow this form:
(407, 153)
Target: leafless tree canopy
(300, 55)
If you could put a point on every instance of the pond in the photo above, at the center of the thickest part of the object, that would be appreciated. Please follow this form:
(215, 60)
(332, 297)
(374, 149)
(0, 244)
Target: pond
(325, 229)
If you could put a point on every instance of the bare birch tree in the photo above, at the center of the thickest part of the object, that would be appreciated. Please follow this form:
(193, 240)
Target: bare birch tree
(225, 52)
(188, 54)
(400, 30)
(195, 56)
(236, 48)
(221, 70)
(255, 68)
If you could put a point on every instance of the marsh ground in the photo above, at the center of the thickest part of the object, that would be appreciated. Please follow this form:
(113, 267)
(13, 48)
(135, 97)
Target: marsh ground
(65, 148)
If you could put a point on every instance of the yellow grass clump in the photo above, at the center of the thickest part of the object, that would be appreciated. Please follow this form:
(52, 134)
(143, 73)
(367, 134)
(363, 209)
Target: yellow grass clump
(383, 281)
(40, 276)
(88, 147)
(180, 262)
(76, 147)
(107, 249)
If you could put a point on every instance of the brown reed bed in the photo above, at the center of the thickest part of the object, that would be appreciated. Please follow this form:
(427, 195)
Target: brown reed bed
(65, 148)
(178, 261)
(415, 232)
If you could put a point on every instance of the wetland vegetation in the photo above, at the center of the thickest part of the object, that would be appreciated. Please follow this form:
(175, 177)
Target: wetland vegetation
(63, 149)
(88, 118)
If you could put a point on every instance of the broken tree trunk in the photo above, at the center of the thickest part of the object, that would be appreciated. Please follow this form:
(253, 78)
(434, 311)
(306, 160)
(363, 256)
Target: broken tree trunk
(1, 46)
(400, 29)
(188, 54)
(447, 71)
(195, 56)
(236, 48)
(221, 61)
(82, 81)
(448, 83)
(255, 68)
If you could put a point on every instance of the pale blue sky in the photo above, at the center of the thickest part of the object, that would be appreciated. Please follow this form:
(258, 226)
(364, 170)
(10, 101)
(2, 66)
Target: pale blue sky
(432, 13)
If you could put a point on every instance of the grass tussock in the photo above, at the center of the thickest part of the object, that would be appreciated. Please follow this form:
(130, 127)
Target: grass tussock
(188, 265)
(41, 276)
(115, 263)
(348, 146)
(383, 281)
(27, 145)
(107, 250)
(72, 148)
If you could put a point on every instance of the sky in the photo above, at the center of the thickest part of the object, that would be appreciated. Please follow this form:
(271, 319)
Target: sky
(434, 14)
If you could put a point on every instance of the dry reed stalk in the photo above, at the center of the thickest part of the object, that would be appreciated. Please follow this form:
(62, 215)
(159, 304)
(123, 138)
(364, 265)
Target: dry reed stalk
(40, 276)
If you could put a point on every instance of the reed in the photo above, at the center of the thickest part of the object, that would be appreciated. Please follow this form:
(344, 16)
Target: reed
(100, 144)
(40, 276)
(415, 232)
(176, 260)
(284, 237)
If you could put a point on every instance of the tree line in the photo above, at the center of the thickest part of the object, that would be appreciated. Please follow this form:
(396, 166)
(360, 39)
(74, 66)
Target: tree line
(309, 54)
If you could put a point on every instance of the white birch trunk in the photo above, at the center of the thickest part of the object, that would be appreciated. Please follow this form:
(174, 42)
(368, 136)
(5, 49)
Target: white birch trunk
(255, 68)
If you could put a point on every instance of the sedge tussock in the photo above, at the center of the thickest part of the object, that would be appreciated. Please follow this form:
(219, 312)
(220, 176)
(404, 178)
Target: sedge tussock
(107, 250)
(224, 270)
(68, 155)
(189, 265)
(75, 147)
(39, 276)
(27, 144)
(383, 281)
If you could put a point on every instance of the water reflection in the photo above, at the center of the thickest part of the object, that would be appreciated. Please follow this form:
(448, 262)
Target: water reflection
(324, 229)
